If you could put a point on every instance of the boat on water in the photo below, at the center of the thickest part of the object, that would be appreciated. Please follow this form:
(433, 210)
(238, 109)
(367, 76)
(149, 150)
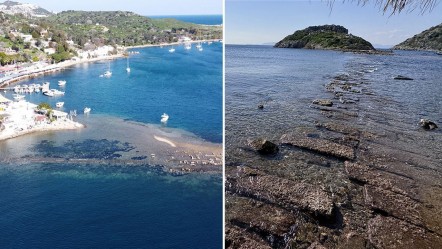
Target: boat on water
(188, 46)
(61, 82)
(49, 93)
(45, 87)
(164, 118)
(127, 66)
(171, 50)
(87, 110)
(108, 73)
(18, 97)
(59, 104)
(53, 92)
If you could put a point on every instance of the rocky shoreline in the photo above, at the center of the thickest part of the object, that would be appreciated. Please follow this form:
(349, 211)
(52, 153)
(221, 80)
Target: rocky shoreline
(354, 178)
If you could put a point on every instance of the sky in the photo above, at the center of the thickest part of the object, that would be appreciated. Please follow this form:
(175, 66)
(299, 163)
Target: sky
(267, 21)
(146, 7)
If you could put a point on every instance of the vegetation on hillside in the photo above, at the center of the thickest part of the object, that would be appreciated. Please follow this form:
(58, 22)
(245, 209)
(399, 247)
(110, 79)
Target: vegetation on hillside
(126, 28)
(430, 39)
(324, 37)
(68, 31)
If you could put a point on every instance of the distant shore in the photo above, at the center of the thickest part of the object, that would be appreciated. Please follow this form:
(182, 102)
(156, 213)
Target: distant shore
(53, 68)
(170, 44)
(62, 65)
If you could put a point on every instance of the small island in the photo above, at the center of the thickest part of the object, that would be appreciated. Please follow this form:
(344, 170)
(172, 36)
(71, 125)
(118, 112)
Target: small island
(330, 37)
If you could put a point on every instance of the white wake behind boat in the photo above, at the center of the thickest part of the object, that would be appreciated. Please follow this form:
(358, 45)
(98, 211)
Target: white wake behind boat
(87, 110)
(59, 104)
(164, 118)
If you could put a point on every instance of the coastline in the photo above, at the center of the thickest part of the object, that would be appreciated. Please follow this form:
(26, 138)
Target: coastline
(170, 44)
(19, 118)
(62, 65)
(54, 126)
(54, 68)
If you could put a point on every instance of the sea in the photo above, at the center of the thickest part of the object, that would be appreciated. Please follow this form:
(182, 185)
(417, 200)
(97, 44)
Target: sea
(286, 81)
(106, 203)
(198, 19)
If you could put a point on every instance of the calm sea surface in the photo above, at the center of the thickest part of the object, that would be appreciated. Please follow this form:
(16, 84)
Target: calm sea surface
(71, 205)
(198, 19)
(287, 80)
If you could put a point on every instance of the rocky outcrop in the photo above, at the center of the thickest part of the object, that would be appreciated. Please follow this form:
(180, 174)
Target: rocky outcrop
(388, 232)
(319, 145)
(290, 195)
(323, 102)
(263, 146)
(430, 39)
(400, 77)
(427, 124)
(325, 37)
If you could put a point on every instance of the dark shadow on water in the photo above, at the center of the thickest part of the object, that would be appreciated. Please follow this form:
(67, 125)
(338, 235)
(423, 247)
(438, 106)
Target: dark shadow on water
(87, 149)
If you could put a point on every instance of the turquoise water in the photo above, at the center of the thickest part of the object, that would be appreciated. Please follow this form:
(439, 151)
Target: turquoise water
(106, 203)
(198, 19)
(187, 85)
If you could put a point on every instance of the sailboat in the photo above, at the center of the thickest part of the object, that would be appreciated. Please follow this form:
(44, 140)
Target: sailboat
(108, 73)
(172, 50)
(128, 68)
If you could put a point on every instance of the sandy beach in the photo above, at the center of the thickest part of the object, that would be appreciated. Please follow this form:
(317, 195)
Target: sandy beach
(20, 119)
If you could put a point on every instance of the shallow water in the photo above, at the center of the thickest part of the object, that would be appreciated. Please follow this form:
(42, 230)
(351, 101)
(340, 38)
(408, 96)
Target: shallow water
(373, 115)
(286, 81)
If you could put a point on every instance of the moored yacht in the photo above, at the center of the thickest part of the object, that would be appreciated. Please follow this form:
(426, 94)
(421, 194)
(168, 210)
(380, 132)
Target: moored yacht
(87, 110)
(164, 118)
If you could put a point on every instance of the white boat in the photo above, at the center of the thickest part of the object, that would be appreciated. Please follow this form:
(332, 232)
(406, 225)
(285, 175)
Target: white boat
(59, 104)
(53, 92)
(172, 50)
(164, 118)
(127, 67)
(199, 45)
(45, 87)
(61, 82)
(86, 110)
(108, 73)
(188, 46)
(18, 97)
(49, 93)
